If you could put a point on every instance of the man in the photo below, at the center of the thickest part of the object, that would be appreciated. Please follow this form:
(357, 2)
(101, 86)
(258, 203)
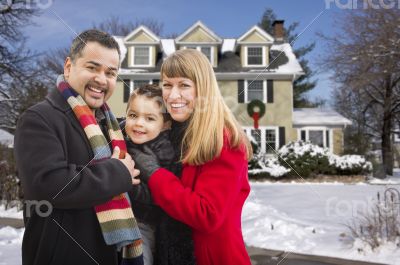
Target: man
(61, 171)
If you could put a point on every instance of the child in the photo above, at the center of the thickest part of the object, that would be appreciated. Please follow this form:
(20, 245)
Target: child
(147, 126)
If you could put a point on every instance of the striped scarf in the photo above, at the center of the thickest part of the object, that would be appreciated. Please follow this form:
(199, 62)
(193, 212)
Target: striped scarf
(116, 218)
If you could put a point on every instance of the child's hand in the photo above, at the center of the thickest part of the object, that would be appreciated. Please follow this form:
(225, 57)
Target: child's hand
(146, 161)
(129, 164)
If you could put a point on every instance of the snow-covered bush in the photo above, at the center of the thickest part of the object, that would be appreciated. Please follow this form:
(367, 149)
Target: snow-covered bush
(350, 164)
(304, 159)
(380, 225)
(307, 160)
(264, 165)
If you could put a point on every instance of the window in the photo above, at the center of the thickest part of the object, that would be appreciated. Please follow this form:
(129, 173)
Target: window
(256, 134)
(255, 89)
(141, 56)
(316, 137)
(206, 50)
(255, 56)
(270, 141)
(397, 132)
(320, 136)
(266, 138)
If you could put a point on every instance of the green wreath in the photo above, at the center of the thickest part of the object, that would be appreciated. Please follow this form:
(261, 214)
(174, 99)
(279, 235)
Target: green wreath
(253, 104)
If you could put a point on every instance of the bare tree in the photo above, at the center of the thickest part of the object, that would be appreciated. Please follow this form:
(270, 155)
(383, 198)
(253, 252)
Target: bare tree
(16, 61)
(365, 58)
(115, 26)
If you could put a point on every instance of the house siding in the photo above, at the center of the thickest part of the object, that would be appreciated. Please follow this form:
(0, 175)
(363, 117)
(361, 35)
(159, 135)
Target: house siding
(277, 114)
(116, 101)
(337, 141)
(141, 37)
(198, 35)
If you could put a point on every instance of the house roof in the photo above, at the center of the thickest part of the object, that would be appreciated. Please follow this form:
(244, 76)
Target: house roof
(122, 47)
(283, 61)
(6, 138)
(168, 46)
(318, 117)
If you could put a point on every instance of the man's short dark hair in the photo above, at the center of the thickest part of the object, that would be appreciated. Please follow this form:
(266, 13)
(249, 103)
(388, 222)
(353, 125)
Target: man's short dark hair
(92, 35)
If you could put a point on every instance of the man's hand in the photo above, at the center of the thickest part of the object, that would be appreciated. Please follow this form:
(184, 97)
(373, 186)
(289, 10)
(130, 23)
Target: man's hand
(128, 163)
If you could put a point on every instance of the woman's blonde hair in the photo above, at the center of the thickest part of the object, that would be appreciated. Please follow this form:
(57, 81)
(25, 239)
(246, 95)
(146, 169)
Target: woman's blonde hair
(204, 137)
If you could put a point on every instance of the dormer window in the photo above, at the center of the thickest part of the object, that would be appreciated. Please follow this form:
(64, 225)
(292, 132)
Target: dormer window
(206, 50)
(141, 56)
(255, 56)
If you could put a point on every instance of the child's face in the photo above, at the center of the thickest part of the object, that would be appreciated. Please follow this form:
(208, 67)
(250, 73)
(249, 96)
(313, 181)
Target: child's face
(144, 120)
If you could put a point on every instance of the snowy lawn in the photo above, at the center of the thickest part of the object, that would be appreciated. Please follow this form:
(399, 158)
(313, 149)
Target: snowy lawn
(310, 218)
(302, 218)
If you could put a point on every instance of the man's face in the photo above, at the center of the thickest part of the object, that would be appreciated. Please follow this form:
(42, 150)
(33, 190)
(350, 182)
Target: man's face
(93, 75)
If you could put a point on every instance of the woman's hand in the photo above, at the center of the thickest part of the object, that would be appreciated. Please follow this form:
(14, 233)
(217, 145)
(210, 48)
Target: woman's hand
(146, 161)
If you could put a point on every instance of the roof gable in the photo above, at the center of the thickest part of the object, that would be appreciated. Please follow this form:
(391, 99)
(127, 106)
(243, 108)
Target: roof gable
(143, 35)
(198, 32)
(256, 35)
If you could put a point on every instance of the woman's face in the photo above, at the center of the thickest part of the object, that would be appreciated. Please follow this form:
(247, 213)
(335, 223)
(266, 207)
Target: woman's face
(179, 95)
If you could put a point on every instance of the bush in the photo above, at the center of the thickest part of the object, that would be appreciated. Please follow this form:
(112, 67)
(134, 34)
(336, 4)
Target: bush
(381, 224)
(306, 160)
(265, 166)
(10, 190)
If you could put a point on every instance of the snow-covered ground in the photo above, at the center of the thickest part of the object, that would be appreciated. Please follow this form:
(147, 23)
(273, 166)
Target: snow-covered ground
(311, 218)
(10, 213)
(301, 218)
(10, 245)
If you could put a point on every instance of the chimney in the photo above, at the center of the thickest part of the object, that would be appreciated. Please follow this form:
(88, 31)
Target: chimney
(279, 31)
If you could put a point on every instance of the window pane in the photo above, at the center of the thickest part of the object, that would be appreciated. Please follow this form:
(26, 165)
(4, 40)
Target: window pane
(316, 137)
(254, 56)
(255, 90)
(139, 83)
(270, 141)
(257, 136)
(207, 52)
(141, 56)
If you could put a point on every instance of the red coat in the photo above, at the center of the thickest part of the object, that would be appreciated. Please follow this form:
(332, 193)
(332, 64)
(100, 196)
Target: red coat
(212, 208)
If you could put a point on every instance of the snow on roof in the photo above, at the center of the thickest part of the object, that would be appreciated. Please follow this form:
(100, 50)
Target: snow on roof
(168, 46)
(122, 48)
(318, 117)
(6, 138)
(292, 66)
(228, 45)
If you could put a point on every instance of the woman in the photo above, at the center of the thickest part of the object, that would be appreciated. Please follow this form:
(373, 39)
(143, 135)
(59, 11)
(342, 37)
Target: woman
(211, 192)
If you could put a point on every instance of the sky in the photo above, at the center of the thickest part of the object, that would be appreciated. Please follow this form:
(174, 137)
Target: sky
(60, 21)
